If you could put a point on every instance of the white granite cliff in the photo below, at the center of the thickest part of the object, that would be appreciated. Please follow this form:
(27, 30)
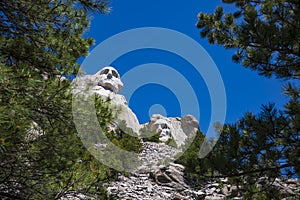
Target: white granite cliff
(159, 178)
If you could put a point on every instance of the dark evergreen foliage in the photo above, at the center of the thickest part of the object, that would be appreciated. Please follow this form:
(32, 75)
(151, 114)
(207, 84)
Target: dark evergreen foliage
(266, 145)
(41, 156)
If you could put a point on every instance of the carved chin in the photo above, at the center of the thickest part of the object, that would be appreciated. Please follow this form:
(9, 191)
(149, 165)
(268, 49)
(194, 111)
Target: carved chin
(108, 86)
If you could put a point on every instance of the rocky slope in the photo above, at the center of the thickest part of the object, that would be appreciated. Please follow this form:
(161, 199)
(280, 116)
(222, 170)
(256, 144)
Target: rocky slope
(162, 179)
(158, 177)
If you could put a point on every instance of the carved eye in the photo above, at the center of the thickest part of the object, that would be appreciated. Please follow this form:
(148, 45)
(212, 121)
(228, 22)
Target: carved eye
(105, 71)
(164, 126)
(115, 74)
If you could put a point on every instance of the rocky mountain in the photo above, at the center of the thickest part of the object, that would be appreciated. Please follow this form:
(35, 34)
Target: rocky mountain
(159, 177)
(107, 84)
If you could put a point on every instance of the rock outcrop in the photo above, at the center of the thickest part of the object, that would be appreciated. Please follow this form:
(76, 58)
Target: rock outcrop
(169, 183)
(179, 129)
(107, 84)
(159, 177)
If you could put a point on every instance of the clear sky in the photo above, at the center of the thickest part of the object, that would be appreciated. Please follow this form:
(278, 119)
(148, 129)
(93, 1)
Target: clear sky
(245, 90)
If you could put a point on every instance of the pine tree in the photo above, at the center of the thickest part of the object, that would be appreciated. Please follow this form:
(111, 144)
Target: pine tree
(41, 156)
(266, 145)
(264, 32)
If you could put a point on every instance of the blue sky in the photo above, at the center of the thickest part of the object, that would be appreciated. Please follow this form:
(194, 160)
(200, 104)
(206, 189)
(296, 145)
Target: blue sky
(245, 90)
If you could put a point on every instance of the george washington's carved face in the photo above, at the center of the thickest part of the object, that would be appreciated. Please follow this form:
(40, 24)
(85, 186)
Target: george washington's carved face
(109, 79)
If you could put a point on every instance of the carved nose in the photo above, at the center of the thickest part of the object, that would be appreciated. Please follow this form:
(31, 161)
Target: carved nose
(109, 76)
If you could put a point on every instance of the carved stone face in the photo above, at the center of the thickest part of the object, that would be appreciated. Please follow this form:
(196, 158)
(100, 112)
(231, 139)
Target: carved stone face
(163, 128)
(109, 79)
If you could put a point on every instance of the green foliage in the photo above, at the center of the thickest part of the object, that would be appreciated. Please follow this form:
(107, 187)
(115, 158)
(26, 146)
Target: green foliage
(46, 157)
(254, 151)
(194, 167)
(149, 136)
(265, 34)
(41, 156)
(125, 138)
(258, 146)
(121, 151)
(171, 142)
(258, 193)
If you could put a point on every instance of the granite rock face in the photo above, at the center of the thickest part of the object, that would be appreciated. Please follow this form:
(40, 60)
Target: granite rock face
(109, 79)
(179, 129)
(158, 177)
(107, 84)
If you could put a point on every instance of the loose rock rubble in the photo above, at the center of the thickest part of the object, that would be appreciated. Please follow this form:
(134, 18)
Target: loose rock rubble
(158, 179)
(155, 155)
